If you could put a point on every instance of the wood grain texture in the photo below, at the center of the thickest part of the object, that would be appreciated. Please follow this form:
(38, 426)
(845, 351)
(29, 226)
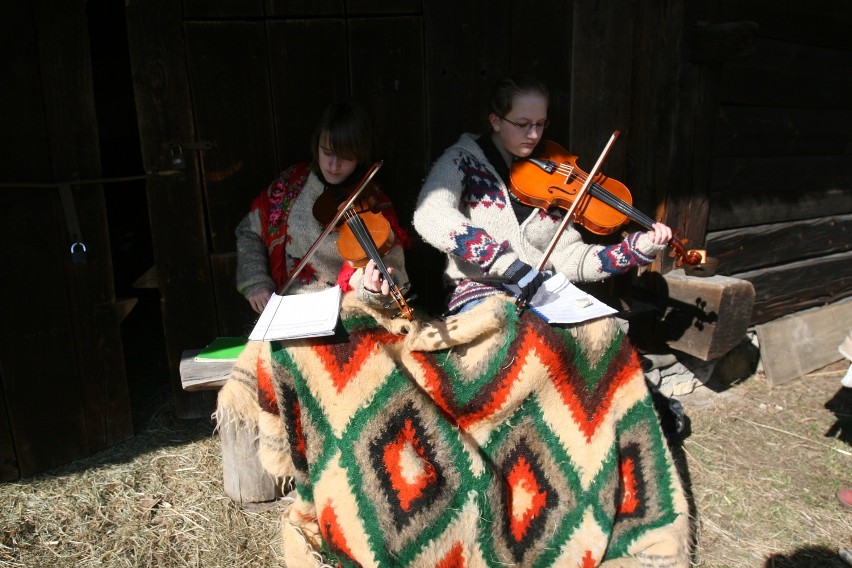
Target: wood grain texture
(805, 341)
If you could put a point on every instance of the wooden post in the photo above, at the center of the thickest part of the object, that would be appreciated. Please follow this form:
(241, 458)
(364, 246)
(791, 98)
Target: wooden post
(244, 478)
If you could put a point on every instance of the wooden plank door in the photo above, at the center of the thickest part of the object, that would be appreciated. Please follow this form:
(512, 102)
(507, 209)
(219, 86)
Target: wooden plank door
(175, 195)
(64, 389)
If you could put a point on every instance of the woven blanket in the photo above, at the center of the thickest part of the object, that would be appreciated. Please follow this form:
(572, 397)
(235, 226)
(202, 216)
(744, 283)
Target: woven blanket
(487, 439)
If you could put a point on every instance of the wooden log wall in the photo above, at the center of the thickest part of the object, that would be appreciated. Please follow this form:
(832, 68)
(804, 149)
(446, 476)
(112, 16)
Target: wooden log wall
(780, 176)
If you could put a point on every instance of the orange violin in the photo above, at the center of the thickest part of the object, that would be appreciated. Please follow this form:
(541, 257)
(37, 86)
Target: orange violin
(370, 222)
(553, 179)
(359, 246)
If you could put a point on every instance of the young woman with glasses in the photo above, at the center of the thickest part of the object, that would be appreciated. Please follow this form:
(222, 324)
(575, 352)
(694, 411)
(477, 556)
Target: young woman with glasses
(466, 210)
(282, 225)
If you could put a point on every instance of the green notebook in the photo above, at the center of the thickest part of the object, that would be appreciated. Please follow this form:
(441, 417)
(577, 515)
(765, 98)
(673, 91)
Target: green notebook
(222, 349)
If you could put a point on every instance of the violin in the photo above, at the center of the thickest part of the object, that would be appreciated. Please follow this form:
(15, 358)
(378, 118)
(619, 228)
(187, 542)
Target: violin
(553, 179)
(374, 223)
(360, 245)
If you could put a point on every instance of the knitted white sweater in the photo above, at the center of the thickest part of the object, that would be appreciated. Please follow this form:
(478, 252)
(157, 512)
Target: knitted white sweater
(302, 231)
(464, 210)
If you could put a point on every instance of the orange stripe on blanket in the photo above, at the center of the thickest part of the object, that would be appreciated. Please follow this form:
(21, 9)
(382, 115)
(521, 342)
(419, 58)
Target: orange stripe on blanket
(531, 345)
(331, 531)
(265, 390)
(589, 423)
(344, 364)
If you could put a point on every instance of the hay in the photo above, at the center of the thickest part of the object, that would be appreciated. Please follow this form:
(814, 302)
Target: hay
(156, 500)
(763, 465)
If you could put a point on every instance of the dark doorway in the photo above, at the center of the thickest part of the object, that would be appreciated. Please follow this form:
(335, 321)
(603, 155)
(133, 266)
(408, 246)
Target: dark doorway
(127, 208)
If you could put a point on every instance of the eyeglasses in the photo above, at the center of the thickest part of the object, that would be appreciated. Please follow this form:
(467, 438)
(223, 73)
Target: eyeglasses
(528, 126)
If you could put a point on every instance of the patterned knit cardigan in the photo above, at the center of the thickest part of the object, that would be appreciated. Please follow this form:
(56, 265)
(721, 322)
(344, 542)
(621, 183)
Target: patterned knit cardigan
(464, 210)
(279, 230)
(484, 440)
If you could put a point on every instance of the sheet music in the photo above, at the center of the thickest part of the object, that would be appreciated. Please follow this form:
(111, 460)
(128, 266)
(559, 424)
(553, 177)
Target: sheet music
(559, 301)
(298, 315)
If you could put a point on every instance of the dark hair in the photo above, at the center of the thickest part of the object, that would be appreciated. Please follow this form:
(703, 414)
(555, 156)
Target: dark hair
(350, 132)
(504, 91)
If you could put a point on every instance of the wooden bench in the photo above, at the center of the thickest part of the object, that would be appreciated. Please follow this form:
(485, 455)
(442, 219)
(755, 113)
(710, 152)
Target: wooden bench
(197, 376)
(706, 316)
(244, 478)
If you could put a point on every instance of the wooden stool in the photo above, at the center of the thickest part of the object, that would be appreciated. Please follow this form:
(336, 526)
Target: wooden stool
(244, 478)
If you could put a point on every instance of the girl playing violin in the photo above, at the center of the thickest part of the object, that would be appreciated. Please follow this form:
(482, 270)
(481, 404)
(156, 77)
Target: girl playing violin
(283, 222)
(466, 209)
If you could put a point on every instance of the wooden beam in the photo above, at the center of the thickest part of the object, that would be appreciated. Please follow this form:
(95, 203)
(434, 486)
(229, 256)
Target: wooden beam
(738, 208)
(714, 43)
(706, 317)
(799, 343)
(750, 248)
(782, 131)
(796, 286)
(764, 76)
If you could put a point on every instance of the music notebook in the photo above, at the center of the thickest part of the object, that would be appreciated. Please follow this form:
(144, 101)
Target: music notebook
(298, 315)
(559, 301)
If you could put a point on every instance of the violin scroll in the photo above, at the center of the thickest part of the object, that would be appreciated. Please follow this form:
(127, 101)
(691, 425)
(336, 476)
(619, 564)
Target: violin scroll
(684, 256)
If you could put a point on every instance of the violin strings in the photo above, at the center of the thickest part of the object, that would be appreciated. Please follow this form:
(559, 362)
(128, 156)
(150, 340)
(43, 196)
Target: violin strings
(362, 235)
(601, 193)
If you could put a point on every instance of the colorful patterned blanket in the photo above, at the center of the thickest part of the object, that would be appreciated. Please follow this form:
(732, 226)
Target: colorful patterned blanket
(487, 439)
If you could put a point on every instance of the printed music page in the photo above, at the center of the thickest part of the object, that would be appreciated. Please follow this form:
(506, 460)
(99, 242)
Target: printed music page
(298, 315)
(559, 301)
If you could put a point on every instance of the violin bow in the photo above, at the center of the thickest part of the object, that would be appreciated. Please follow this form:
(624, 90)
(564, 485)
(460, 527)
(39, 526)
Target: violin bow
(569, 214)
(332, 225)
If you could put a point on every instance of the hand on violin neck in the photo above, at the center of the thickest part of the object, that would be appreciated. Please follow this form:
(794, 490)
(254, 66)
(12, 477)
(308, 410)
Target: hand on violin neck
(525, 277)
(660, 233)
(373, 279)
